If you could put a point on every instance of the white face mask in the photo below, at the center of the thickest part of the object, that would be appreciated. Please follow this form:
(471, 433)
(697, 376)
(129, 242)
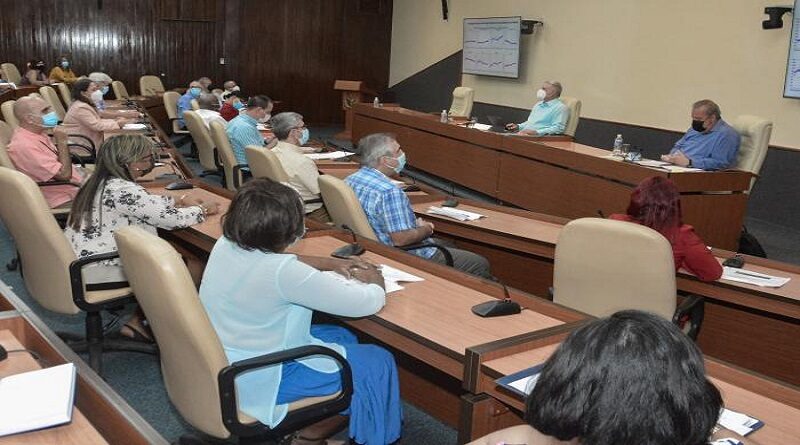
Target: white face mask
(541, 94)
(236, 88)
(97, 96)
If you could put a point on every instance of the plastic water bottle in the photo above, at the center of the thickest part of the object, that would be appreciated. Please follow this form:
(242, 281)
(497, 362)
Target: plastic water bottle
(443, 119)
(376, 103)
(617, 151)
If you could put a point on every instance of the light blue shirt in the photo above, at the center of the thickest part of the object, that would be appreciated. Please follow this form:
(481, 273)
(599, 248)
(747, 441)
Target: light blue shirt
(243, 131)
(261, 303)
(547, 118)
(715, 150)
(184, 104)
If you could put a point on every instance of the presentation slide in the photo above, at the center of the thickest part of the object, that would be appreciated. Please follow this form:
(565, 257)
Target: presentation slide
(791, 86)
(491, 46)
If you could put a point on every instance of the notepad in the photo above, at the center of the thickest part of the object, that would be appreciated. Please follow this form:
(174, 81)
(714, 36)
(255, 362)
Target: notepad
(754, 278)
(458, 214)
(522, 382)
(37, 399)
(328, 155)
(739, 423)
(134, 127)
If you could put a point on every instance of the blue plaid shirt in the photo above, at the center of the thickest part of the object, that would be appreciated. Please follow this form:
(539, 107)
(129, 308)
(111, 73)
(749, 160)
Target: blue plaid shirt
(387, 207)
(242, 131)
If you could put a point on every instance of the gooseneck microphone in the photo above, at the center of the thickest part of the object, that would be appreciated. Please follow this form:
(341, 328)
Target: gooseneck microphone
(350, 250)
(497, 308)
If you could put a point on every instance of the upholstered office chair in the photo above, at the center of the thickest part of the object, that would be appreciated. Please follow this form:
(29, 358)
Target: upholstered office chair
(518, 434)
(198, 377)
(52, 272)
(7, 108)
(11, 73)
(202, 140)
(171, 99)
(232, 170)
(755, 132)
(346, 210)
(574, 107)
(604, 266)
(120, 92)
(150, 86)
(265, 164)
(5, 134)
(65, 93)
(463, 98)
(51, 97)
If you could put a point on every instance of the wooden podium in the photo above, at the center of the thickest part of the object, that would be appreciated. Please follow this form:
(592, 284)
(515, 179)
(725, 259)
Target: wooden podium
(353, 91)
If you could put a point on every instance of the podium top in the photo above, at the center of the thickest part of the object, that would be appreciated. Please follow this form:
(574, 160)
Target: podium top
(352, 85)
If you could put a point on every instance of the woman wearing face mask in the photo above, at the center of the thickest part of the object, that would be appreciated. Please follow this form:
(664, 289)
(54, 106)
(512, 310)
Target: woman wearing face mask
(35, 75)
(62, 72)
(548, 116)
(83, 113)
(232, 104)
(251, 284)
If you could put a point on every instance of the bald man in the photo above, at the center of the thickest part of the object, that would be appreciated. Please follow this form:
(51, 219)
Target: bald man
(33, 153)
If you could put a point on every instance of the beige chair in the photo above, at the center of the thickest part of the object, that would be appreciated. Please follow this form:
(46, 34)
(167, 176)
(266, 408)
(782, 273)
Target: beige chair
(604, 266)
(52, 272)
(11, 73)
(171, 99)
(520, 434)
(7, 109)
(755, 132)
(202, 140)
(194, 104)
(198, 377)
(5, 134)
(232, 171)
(574, 107)
(51, 97)
(463, 97)
(66, 94)
(265, 164)
(120, 92)
(150, 86)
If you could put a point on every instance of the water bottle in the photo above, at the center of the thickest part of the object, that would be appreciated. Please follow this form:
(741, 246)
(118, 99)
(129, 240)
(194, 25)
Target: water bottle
(376, 103)
(443, 119)
(617, 151)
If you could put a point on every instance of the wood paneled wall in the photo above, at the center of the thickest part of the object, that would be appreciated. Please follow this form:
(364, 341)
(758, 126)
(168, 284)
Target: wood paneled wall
(291, 50)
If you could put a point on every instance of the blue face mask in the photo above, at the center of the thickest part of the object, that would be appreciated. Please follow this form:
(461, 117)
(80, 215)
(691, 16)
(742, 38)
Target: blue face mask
(401, 163)
(64, 64)
(304, 137)
(50, 119)
(194, 91)
(104, 90)
(238, 105)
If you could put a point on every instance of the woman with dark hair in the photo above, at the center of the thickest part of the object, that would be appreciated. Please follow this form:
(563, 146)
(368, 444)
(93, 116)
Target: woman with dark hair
(83, 114)
(35, 74)
(260, 300)
(629, 379)
(62, 71)
(656, 203)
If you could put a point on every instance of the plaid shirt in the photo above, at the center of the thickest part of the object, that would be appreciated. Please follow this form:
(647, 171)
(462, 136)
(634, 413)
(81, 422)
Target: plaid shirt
(387, 207)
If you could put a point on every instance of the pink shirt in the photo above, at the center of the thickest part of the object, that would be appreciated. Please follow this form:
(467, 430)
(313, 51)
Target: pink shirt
(89, 122)
(36, 156)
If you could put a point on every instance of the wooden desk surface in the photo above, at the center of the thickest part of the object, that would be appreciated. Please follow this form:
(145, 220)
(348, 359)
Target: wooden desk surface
(79, 431)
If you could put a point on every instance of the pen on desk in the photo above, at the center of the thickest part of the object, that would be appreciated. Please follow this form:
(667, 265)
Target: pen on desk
(751, 274)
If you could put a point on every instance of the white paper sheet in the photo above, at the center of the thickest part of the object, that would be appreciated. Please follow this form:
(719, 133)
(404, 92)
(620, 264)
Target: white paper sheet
(679, 169)
(134, 127)
(392, 278)
(526, 384)
(739, 423)
(651, 163)
(751, 277)
(37, 399)
(329, 155)
(450, 212)
(482, 127)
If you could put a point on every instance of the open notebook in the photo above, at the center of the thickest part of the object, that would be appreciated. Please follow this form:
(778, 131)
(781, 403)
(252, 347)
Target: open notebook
(36, 399)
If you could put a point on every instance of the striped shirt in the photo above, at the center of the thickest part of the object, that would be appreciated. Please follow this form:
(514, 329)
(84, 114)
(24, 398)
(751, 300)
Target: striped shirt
(242, 131)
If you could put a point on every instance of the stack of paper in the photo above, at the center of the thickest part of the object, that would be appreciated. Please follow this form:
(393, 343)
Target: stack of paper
(651, 163)
(755, 278)
(450, 212)
(482, 127)
(329, 155)
(391, 277)
(134, 127)
(36, 399)
(679, 169)
(739, 423)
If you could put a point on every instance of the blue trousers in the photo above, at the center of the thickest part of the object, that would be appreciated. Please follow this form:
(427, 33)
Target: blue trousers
(376, 413)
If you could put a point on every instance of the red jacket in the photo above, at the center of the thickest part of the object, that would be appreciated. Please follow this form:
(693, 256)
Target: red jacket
(228, 111)
(689, 251)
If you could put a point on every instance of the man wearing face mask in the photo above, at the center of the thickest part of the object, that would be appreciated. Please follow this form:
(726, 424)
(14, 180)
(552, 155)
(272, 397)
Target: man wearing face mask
(291, 132)
(185, 102)
(711, 144)
(548, 116)
(230, 85)
(62, 72)
(205, 84)
(389, 211)
(231, 105)
(208, 110)
(34, 154)
(243, 130)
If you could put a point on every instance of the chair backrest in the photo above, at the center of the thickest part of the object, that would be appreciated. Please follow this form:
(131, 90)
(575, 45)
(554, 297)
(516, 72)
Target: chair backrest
(194, 104)
(5, 137)
(65, 93)
(11, 73)
(224, 151)
(755, 132)
(44, 251)
(7, 108)
(120, 92)
(202, 139)
(463, 98)
(344, 207)
(150, 85)
(265, 164)
(603, 266)
(574, 107)
(171, 99)
(51, 97)
(191, 353)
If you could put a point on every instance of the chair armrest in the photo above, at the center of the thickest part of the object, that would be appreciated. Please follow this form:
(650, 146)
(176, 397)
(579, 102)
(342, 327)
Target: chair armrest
(312, 201)
(237, 175)
(49, 183)
(692, 310)
(85, 138)
(448, 258)
(76, 281)
(294, 419)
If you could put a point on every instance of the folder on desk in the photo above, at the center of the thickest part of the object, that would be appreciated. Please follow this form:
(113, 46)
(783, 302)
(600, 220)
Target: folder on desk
(37, 399)
(522, 382)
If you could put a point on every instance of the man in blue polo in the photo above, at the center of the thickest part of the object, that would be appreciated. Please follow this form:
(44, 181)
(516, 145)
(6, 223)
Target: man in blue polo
(711, 144)
(548, 116)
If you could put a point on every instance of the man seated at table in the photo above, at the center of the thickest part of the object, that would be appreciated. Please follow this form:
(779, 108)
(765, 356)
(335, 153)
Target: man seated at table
(231, 104)
(205, 84)
(208, 110)
(243, 129)
(185, 102)
(291, 132)
(33, 153)
(710, 144)
(389, 211)
(548, 116)
(230, 85)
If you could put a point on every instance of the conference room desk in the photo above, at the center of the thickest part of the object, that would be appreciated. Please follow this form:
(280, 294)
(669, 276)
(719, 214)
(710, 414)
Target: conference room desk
(755, 327)
(776, 404)
(7, 94)
(559, 178)
(153, 105)
(100, 416)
